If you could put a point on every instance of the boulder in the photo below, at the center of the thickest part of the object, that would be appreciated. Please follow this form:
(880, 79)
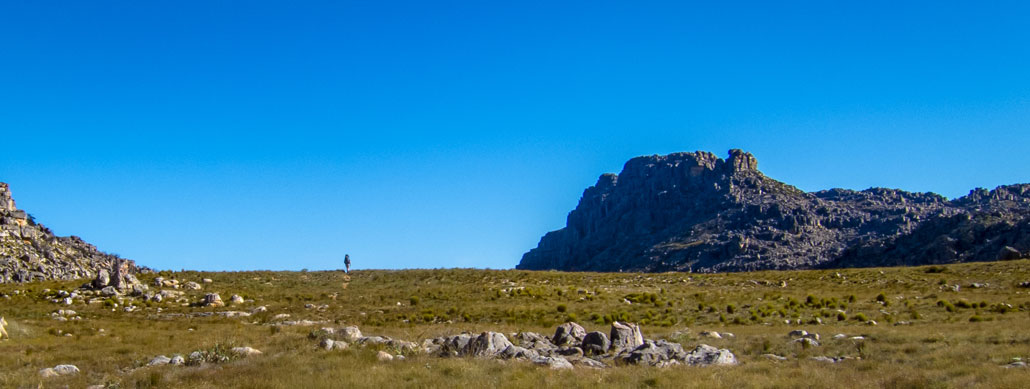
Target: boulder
(705, 355)
(710, 334)
(488, 344)
(102, 279)
(595, 343)
(159, 360)
(190, 285)
(655, 353)
(109, 291)
(384, 356)
(455, 345)
(534, 341)
(245, 351)
(326, 344)
(236, 299)
(556, 363)
(797, 333)
(807, 342)
(177, 360)
(516, 352)
(569, 333)
(625, 336)
(350, 333)
(1009, 253)
(212, 300)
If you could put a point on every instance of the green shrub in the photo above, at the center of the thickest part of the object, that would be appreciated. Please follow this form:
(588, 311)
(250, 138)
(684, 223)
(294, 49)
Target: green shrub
(841, 316)
(562, 308)
(861, 317)
(413, 300)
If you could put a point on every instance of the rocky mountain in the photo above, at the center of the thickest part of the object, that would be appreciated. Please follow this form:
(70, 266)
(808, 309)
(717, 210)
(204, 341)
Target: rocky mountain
(30, 252)
(698, 212)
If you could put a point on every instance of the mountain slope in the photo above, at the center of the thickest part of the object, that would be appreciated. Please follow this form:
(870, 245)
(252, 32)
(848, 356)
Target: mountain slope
(697, 212)
(30, 251)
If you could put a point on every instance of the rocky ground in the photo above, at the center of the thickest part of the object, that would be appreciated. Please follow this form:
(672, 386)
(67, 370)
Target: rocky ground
(954, 325)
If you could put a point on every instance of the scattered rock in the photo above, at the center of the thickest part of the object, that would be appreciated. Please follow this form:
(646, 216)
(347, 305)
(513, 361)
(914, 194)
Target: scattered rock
(351, 333)
(159, 360)
(177, 360)
(568, 334)
(245, 351)
(705, 355)
(625, 336)
(595, 343)
(774, 357)
(212, 300)
(207, 280)
(236, 299)
(556, 363)
(190, 285)
(488, 344)
(109, 291)
(797, 333)
(653, 353)
(710, 334)
(384, 356)
(807, 342)
(58, 370)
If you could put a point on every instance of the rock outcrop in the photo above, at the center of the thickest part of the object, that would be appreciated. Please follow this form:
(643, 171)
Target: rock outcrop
(30, 252)
(697, 212)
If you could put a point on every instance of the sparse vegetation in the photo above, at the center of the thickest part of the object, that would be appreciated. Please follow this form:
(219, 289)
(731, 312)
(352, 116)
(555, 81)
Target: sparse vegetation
(948, 338)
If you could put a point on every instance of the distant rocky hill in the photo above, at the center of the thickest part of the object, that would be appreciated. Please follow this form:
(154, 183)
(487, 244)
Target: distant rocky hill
(697, 212)
(30, 252)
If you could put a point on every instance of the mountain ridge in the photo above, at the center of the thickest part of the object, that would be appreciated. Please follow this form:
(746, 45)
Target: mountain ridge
(31, 252)
(698, 212)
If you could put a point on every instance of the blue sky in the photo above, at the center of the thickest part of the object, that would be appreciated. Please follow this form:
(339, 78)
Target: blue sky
(223, 135)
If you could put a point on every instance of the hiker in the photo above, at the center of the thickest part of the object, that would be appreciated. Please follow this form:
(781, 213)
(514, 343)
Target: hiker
(346, 263)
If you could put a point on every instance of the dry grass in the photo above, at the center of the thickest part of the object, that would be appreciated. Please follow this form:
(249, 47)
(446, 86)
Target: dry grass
(938, 347)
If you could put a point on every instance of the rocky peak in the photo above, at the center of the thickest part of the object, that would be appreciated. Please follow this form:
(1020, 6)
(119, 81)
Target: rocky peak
(6, 201)
(697, 212)
(740, 160)
(30, 251)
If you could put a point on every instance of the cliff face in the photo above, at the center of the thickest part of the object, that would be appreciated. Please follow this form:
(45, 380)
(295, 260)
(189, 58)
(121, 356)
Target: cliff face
(697, 212)
(30, 251)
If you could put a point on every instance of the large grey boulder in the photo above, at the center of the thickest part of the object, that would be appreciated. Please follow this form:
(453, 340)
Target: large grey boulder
(556, 363)
(625, 336)
(516, 352)
(705, 355)
(159, 360)
(350, 333)
(595, 343)
(212, 300)
(655, 353)
(102, 279)
(534, 341)
(568, 334)
(455, 345)
(488, 345)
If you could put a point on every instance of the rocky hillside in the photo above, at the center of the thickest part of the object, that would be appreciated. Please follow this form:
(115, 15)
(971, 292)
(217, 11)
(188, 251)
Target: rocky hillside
(30, 252)
(697, 212)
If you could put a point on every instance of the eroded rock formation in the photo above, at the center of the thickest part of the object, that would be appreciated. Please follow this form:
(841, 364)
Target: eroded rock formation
(697, 212)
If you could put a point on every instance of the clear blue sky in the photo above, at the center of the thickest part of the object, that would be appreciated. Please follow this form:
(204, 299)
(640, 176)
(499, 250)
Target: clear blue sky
(256, 135)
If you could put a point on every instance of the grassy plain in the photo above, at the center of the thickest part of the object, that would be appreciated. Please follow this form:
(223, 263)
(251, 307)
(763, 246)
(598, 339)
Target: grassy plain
(927, 334)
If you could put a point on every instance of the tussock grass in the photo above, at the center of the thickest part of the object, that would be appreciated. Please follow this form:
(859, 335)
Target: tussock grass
(928, 335)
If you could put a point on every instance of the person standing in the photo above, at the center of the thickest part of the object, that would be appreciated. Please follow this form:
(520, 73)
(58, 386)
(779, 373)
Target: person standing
(346, 263)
